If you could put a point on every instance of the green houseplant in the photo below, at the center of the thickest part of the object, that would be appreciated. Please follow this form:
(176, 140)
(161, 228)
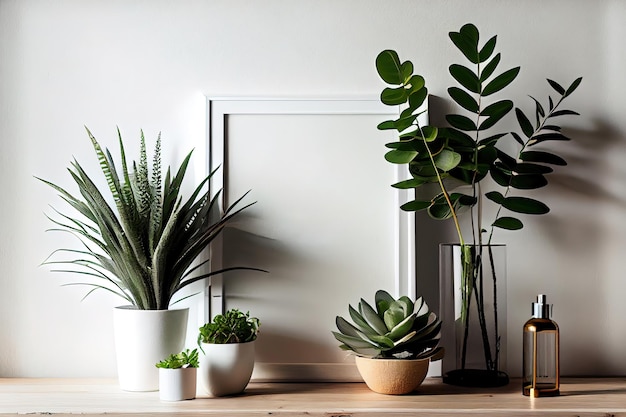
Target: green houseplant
(227, 343)
(465, 160)
(177, 376)
(144, 248)
(394, 341)
(184, 359)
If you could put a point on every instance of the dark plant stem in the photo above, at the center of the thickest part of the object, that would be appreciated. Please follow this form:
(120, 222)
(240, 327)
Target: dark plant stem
(495, 308)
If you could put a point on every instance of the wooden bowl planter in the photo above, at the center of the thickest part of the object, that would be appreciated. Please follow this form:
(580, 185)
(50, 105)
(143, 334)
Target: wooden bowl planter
(392, 376)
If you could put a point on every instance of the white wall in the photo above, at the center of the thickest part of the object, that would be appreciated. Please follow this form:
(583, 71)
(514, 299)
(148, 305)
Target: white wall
(147, 64)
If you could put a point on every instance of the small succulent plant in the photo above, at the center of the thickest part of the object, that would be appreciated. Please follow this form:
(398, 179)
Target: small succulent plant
(400, 329)
(231, 327)
(184, 359)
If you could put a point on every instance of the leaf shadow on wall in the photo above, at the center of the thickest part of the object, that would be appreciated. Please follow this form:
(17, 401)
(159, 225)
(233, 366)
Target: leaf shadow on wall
(578, 232)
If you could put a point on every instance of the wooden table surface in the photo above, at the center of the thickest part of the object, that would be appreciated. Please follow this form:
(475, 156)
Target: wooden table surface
(94, 397)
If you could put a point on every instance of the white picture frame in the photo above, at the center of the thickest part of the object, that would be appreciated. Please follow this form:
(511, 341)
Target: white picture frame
(220, 112)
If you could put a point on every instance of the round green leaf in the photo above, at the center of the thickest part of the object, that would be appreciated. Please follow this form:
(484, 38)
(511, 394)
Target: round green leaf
(394, 96)
(447, 160)
(389, 67)
(407, 70)
(398, 156)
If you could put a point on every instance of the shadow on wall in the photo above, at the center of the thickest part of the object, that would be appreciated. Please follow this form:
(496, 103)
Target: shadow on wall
(581, 231)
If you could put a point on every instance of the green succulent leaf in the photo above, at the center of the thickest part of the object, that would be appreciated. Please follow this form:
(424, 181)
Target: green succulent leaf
(500, 82)
(372, 318)
(360, 322)
(382, 300)
(346, 328)
(353, 342)
(508, 223)
(393, 316)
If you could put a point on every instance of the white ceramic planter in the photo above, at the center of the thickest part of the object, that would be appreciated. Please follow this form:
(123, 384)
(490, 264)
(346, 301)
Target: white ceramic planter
(392, 376)
(225, 369)
(143, 338)
(177, 384)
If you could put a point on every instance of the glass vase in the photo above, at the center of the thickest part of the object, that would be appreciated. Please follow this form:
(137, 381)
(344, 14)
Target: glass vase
(472, 288)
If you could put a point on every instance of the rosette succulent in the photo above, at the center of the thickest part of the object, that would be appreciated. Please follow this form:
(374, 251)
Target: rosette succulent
(400, 329)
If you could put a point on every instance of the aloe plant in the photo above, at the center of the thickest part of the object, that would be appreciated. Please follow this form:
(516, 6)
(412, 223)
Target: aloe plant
(459, 156)
(400, 329)
(143, 247)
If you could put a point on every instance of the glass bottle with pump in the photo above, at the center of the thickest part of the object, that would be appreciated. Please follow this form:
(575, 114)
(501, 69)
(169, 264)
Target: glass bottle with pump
(541, 352)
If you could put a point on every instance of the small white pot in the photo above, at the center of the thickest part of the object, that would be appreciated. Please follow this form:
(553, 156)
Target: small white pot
(225, 369)
(177, 384)
(143, 338)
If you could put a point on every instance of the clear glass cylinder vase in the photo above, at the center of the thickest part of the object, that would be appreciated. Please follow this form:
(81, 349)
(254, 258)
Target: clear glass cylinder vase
(472, 288)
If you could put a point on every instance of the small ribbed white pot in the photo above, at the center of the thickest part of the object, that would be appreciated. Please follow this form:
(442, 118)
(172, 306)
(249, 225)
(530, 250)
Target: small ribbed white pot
(225, 369)
(143, 338)
(177, 384)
